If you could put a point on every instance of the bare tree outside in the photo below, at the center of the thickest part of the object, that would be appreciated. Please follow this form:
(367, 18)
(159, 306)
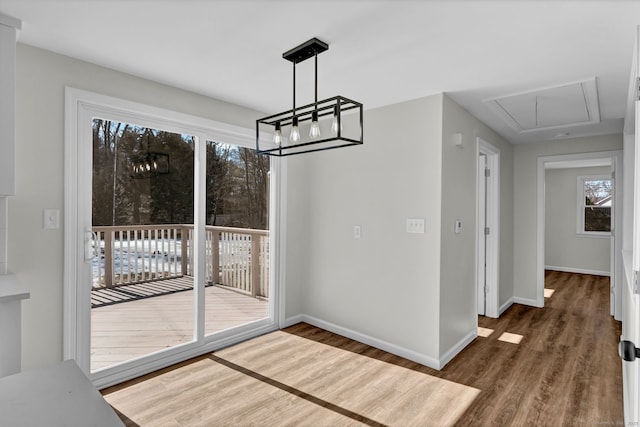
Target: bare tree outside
(598, 195)
(237, 180)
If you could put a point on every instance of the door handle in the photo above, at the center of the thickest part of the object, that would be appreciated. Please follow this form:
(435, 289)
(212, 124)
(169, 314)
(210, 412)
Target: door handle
(628, 351)
(91, 245)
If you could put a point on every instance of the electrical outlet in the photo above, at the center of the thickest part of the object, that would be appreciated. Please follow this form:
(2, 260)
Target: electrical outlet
(357, 232)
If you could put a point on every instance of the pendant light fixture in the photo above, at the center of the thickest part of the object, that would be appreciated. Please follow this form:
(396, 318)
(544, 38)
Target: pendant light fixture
(332, 123)
(150, 163)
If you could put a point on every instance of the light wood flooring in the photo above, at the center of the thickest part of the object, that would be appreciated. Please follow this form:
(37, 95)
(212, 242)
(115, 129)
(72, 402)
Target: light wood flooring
(135, 328)
(563, 371)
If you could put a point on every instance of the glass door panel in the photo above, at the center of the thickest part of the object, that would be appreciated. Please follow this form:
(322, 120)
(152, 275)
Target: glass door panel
(142, 298)
(237, 236)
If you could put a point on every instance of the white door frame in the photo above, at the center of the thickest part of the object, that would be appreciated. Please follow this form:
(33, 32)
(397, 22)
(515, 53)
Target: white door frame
(80, 108)
(492, 252)
(616, 241)
(481, 237)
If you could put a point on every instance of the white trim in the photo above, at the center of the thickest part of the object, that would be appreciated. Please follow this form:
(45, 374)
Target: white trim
(594, 235)
(457, 348)
(423, 359)
(504, 307)
(279, 239)
(385, 345)
(578, 270)
(80, 108)
(10, 21)
(493, 222)
(199, 239)
(481, 209)
(293, 320)
(526, 301)
(616, 247)
(589, 90)
(147, 364)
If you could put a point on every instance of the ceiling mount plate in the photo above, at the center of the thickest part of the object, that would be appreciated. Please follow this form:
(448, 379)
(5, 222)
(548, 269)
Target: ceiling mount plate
(305, 51)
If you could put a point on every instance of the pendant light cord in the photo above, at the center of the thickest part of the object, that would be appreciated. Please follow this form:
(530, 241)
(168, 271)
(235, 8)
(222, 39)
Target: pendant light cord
(294, 88)
(316, 81)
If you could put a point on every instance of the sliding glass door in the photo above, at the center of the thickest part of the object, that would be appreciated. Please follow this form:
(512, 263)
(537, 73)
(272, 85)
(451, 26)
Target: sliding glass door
(142, 298)
(169, 247)
(237, 236)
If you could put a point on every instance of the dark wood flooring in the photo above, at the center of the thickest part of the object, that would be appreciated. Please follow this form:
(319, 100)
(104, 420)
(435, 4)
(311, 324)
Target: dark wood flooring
(564, 371)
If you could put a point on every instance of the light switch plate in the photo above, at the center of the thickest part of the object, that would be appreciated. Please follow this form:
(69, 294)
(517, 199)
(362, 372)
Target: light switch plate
(415, 225)
(51, 219)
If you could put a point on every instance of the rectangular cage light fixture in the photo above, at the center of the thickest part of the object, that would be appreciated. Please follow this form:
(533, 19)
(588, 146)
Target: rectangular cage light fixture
(148, 165)
(322, 125)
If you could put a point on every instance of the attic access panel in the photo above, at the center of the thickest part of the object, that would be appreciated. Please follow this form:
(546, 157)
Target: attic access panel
(561, 106)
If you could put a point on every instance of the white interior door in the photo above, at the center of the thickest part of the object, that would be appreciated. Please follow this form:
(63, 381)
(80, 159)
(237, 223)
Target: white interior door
(631, 300)
(631, 306)
(482, 237)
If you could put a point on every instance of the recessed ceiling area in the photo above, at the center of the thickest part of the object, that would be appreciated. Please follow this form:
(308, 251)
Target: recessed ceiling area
(556, 107)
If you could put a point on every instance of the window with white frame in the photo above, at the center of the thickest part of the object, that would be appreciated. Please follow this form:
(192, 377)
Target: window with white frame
(595, 198)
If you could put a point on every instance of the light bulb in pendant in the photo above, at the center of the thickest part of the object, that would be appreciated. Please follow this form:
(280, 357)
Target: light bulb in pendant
(295, 132)
(277, 135)
(314, 132)
(335, 125)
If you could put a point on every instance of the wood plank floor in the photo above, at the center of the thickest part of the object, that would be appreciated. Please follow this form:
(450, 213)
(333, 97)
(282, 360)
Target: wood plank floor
(130, 329)
(564, 370)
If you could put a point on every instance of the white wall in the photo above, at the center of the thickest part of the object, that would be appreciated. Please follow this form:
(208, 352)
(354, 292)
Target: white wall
(35, 254)
(458, 251)
(565, 250)
(525, 228)
(386, 284)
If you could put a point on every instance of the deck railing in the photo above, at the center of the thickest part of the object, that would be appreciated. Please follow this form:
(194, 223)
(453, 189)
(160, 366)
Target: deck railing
(236, 258)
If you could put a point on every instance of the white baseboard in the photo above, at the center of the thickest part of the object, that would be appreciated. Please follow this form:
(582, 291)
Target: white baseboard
(525, 301)
(504, 307)
(453, 351)
(372, 341)
(290, 321)
(578, 270)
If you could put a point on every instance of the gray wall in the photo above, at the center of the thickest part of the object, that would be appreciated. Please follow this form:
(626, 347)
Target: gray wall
(386, 284)
(458, 251)
(565, 250)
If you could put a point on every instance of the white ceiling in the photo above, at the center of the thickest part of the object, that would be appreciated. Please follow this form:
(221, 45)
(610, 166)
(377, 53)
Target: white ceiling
(381, 51)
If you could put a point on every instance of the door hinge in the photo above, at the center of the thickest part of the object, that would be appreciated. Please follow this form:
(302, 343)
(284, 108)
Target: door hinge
(635, 282)
(487, 172)
(613, 174)
(638, 89)
(487, 230)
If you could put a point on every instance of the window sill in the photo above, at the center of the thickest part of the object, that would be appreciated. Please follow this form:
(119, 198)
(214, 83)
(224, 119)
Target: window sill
(594, 235)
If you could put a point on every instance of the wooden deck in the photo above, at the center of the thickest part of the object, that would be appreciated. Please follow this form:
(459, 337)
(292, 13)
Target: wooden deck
(140, 319)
